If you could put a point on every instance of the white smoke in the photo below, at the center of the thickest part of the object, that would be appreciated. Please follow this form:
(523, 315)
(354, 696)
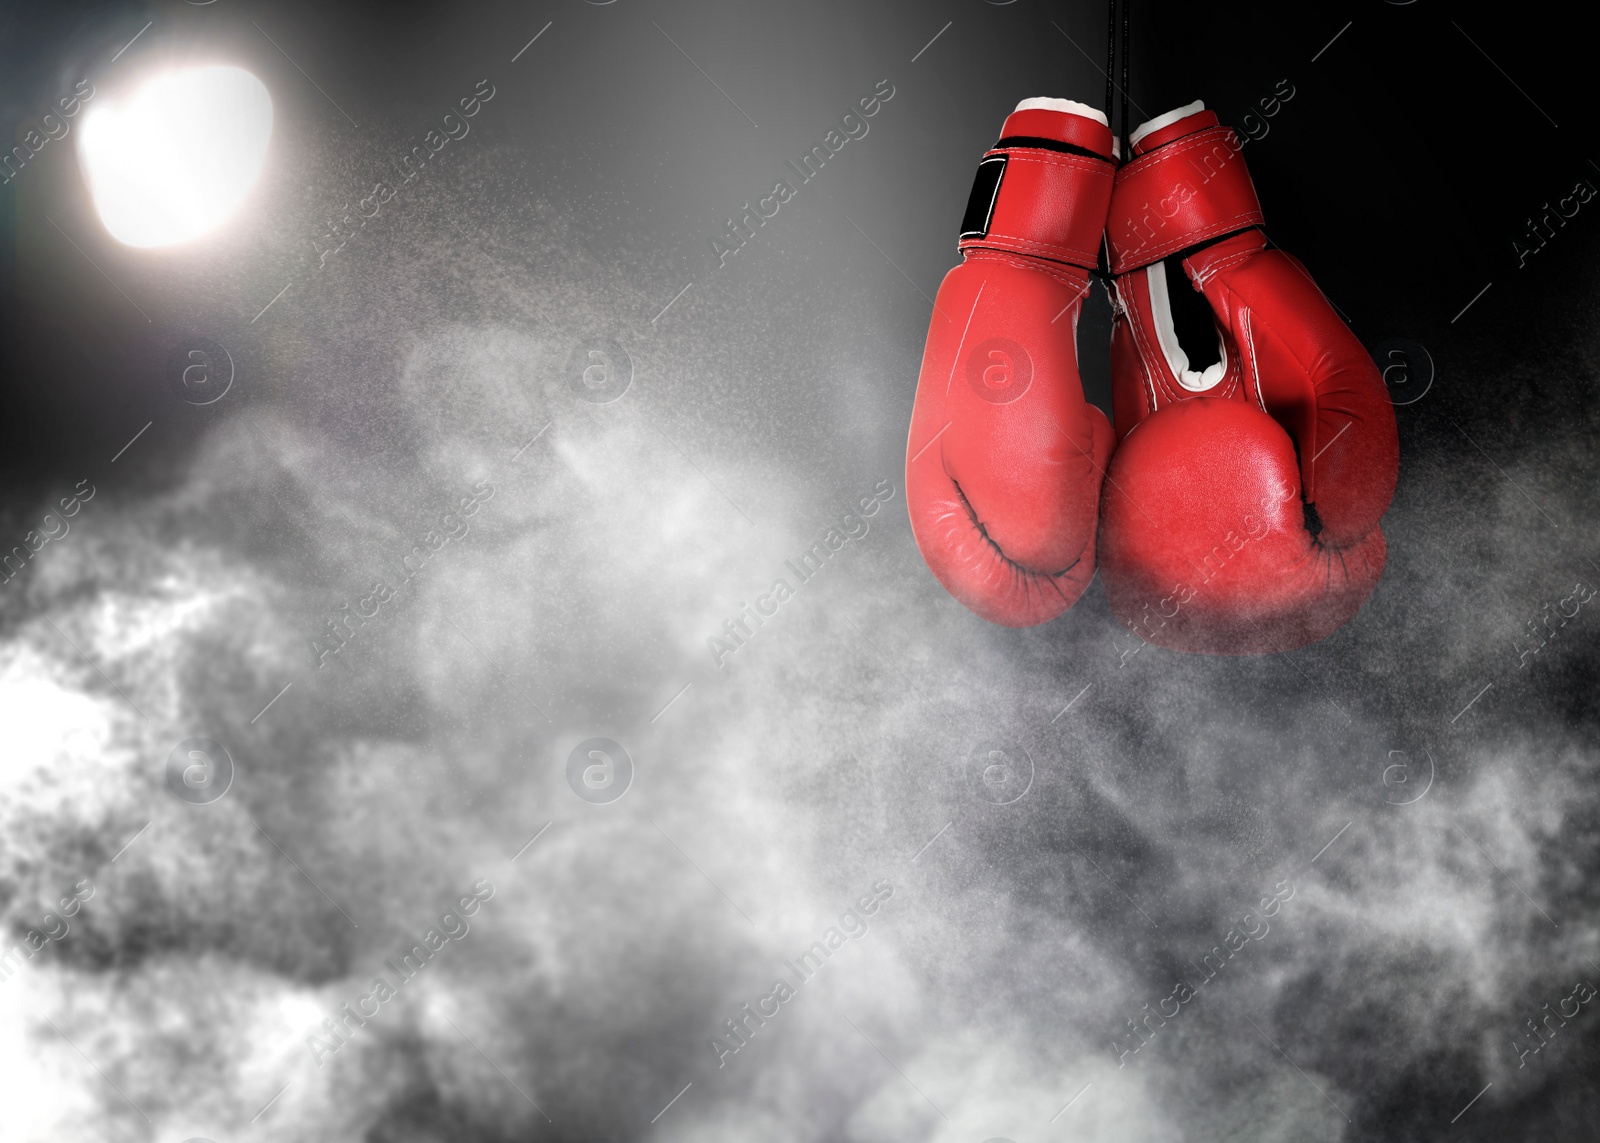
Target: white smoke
(984, 999)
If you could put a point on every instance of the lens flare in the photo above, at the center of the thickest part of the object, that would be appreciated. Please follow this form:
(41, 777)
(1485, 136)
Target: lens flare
(173, 160)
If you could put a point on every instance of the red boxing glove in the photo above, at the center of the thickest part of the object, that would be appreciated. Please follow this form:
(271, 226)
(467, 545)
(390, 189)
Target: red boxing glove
(1242, 507)
(1005, 458)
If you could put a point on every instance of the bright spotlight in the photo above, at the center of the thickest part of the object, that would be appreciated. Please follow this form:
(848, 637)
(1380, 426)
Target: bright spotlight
(172, 160)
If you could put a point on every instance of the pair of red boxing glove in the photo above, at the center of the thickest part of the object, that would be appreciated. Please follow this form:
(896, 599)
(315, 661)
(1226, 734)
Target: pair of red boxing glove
(1235, 506)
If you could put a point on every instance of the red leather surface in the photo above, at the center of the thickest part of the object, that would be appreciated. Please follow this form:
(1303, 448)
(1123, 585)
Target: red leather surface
(1175, 130)
(1005, 458)
(1311, 374)
(1206, 541)
(1050, 205)
(1042, 123)
(1003, 477)
(1203, 541)
(1179, 195)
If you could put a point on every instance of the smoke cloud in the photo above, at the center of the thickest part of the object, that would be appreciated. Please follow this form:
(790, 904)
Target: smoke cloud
(1069, 832)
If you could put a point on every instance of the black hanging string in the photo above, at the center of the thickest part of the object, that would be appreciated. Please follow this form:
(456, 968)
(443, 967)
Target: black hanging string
(1111, 58)
(1126, 152)
(1103, 271)
(1111, 69)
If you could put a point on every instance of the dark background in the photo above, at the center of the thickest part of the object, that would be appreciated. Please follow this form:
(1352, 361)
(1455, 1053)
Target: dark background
(767, 398)
(1402, 170)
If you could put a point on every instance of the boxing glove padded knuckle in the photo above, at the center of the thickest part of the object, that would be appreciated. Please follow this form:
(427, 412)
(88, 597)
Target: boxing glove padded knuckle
(1004, 457)
(1244, 519)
